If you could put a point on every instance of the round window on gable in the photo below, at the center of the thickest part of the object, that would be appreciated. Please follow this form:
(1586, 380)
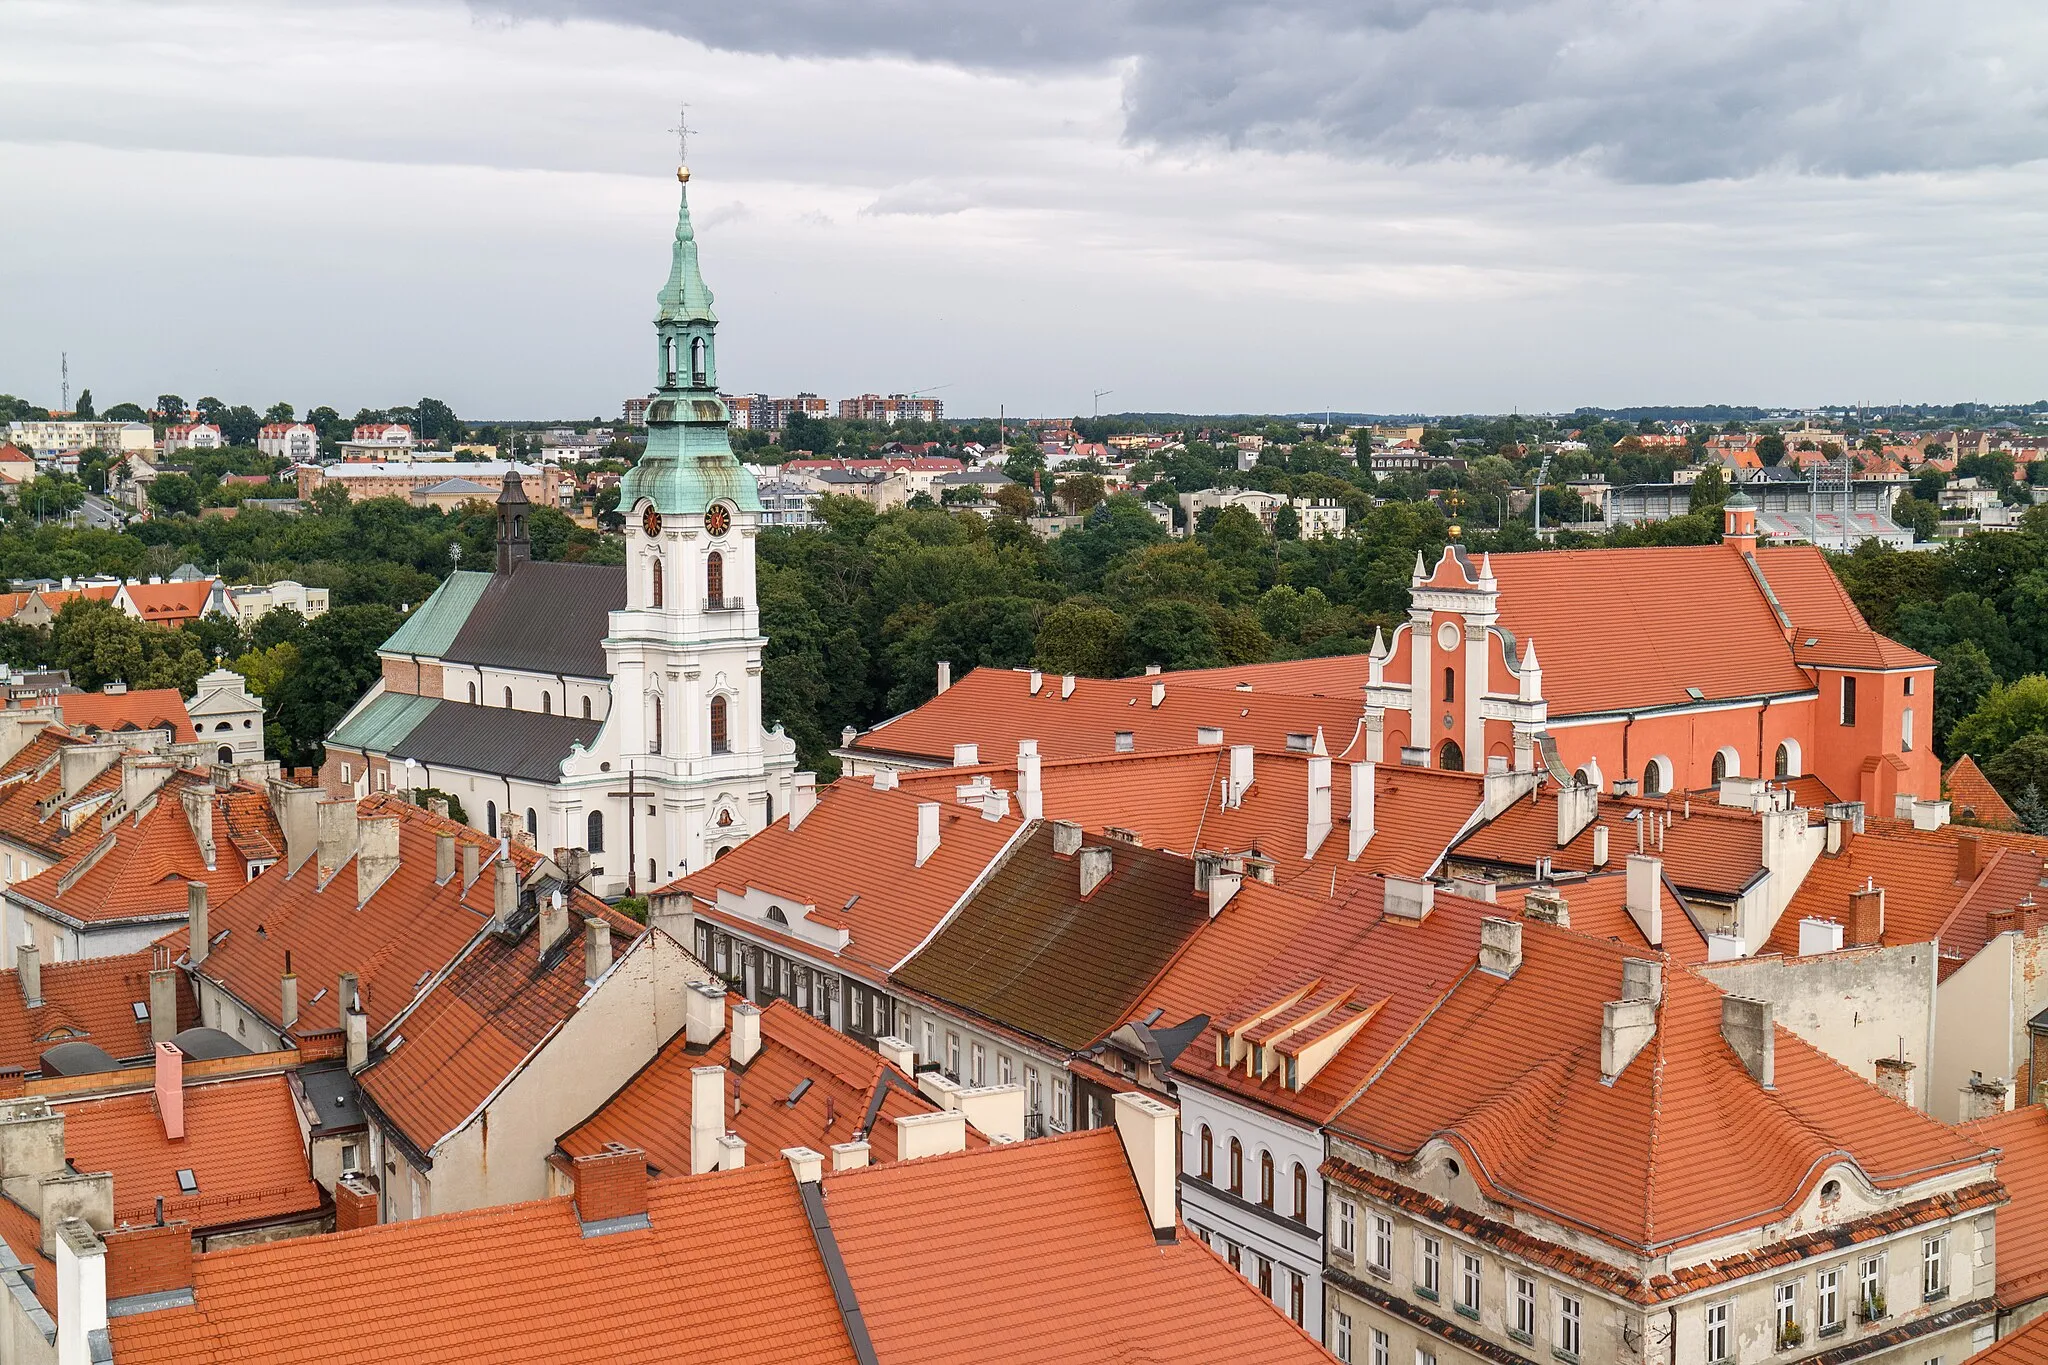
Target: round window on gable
(1451, 1167)
(1830, 1191)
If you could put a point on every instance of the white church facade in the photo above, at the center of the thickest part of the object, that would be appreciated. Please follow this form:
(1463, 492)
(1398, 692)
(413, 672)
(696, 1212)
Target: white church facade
(614, 709)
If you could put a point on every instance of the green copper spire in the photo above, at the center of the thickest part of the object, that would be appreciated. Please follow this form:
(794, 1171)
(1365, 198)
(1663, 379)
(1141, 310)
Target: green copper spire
(688, 463)
(685, 298)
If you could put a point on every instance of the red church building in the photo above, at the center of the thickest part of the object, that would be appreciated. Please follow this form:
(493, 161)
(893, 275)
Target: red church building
(1653, 670)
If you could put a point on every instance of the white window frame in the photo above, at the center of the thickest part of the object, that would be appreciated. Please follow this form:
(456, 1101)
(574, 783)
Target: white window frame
(1784, 1310)
(977, 1064)
(1471, 1282)
(1060, 1118)
(1347, 1228)
(1827, 1295)
(1382, 1244)
(1382, 1348)
(1340, 1334)
(1525, 1308)
(1870, 1283)
(1934, 1267)
(1429, 1266)
(1715, 1340)
(1570, 1325)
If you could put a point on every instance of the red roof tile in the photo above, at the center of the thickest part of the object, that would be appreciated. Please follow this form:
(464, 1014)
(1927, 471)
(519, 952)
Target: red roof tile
(89, 1001)
(1509, 1070)
(243, 1143)
(1597, 907)
(170, 603)
(2027, 1346)
(1974, 799)
(652, 1111)
(1706, 847)
(1827, 627)
(150, 708)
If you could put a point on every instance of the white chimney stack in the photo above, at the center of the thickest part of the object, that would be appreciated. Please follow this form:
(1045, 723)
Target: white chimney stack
(803, 798)
(746, 1032)
(1030, 789)
(945, 674)
(1240, 779)
(1158, 694)
(707, 1116)
(732, 1151)
(930, 1134)
(1223, 887)
(1066, 686)
(1318, 803)
(808, 1166)
(1362, 792)
(966, 755)
(1645, 896)
(1095, 861)
(849, 1156)
(28, 965)
(927, 831)
(1150, 1132)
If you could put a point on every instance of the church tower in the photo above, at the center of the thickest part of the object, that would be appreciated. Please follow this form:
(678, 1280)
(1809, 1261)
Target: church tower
(685, 652)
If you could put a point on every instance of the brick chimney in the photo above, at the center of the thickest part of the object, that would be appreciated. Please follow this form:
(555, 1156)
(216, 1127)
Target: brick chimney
(1968, 858)
(355, 1202)
(1981, 1098)
(597, 948)
(28, 966)
(1095, 862)
(2004, 921)
(1362, 813)
(927, 831)
(505, 895)
(1866, 917)
(610, 1184)
(1895, 1078)
(152, 1259)
(1066, 838)
(163, 1004)
(199, 936)
(170, 1090)
(1150, 1132)
(1746, 1026)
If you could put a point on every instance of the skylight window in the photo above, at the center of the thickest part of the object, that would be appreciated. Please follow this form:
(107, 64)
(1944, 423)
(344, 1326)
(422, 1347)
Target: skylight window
(141, 1008)
(798, 1092)
(1695, 694)
(188, 1183)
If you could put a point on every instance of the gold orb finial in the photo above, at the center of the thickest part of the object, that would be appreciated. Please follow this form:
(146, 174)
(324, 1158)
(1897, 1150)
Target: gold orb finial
(683, 174)
(1455, 532)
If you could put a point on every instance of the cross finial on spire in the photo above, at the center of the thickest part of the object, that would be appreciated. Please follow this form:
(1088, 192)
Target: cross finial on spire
(682, 132)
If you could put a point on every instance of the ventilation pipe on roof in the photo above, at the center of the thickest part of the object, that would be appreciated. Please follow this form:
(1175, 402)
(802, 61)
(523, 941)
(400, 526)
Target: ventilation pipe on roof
(28, 966)
(927, 831)
(1747, 1027)
(195, 915)
(1240, 778)
(1362, 777)
(1095, 860)
(288, 995)
(945, 674)
(1318, 804)
(597, 948)
(707, 1116)
(803, 798)
(746, 1032)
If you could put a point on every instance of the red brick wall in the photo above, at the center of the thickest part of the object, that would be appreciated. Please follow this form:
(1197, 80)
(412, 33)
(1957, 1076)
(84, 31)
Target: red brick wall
(149, 1260)
(412, 679)
(611, 1184)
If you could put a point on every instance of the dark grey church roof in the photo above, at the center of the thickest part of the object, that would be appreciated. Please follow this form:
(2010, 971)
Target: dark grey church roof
(542, 618)
(480, 739)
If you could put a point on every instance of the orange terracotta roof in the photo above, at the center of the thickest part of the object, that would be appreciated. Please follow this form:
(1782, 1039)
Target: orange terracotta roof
(722, 1249)
(138, 869)
(1706, 847)
(652, 1111)
(91, 1001)
(1069, 1279)
(1597, 907)
(1508, 1071)
(1827, 628)
(149, 708)
(1258, 925)
(2021, 1135)
(409, 930)
(994, 708)
(1393, 970)
(854, 861)
(2027, 1346)
(242, 1142)
(35, 813)
(1633, 628)
(23, 1233)
(1974, 799)
(170, 602)
(477, 1025)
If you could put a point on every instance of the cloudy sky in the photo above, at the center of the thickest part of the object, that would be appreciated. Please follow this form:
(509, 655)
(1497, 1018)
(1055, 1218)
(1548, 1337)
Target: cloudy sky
(1199, 205)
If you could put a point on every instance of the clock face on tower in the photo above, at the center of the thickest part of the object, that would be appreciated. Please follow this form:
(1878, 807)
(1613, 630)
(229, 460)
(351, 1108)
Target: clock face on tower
(650, 522)
(718, 519)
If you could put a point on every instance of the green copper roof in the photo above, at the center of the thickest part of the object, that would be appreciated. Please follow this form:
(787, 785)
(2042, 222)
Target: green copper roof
(433, 626)
(685, 298)
(385, 722)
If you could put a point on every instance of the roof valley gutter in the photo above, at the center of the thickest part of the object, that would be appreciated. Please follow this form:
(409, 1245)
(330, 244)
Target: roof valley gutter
(812, 1194)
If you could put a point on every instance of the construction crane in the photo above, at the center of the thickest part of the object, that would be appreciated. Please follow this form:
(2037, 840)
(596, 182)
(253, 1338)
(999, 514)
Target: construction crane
(929, 388)
(1541, 475)
(1101, 394)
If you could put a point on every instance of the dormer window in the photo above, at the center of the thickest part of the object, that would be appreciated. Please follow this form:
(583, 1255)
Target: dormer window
(1258, 1060)
(1291, 1074)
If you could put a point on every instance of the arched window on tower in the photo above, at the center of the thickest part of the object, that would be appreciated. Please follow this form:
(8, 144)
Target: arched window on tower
(655, 747)
(668, 349)
(1236, 1167)
(1450, 757)
(532, 825)
(654, 580)
(594, 832)
(1450, 684)
(547, 703)
(491, 818)
(699, 355)
(714, 581)
(720, 739)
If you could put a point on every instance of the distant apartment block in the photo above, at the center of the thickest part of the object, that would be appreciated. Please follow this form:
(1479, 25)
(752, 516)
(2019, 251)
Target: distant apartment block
(294, 441)
(47, 438)
(193, 436)
(897, 407)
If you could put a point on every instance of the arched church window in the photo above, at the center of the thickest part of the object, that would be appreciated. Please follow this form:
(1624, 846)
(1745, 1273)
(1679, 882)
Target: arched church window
(586, 708)
(1783, 766)
(655, 747)
(1657, 776)
(593, 837)
(508, 699)
(472, 694)
(698, 356)
(714, 580)
(720, 740)
(668, 348)
(654, 581)
(547, 703)
(226, 754)
(1450, 757)
(1724, 765)
(1450, 684)
(532, 825)
(491, 818)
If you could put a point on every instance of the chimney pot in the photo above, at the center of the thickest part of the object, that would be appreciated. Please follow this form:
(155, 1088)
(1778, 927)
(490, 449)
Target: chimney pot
(597, 948)
(1066, 838)
(1095, 860)
(28, 965)
(945, 674)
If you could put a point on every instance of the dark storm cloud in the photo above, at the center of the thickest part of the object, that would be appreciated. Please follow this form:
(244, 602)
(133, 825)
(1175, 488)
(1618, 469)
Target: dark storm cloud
(1663, 91)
